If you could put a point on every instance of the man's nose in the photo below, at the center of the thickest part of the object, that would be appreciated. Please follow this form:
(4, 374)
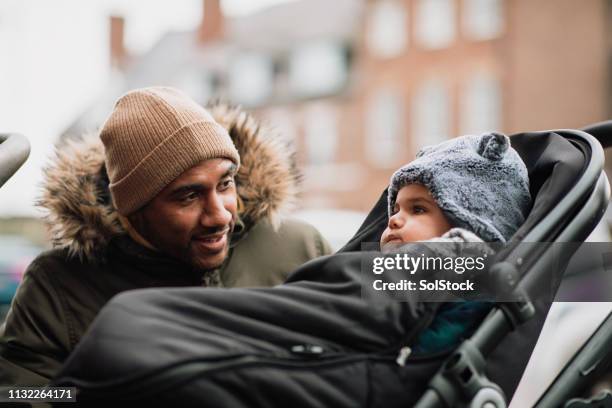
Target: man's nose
(214, 213)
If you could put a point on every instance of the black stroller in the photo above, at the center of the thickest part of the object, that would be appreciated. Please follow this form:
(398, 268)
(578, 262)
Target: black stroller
(310, 343)
(564, 211)
(14, 151)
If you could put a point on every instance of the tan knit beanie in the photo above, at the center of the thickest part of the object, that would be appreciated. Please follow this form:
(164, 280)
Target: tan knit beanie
(151, 137)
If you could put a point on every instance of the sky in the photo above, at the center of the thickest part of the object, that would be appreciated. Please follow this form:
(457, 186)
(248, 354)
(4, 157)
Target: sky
(55, 64)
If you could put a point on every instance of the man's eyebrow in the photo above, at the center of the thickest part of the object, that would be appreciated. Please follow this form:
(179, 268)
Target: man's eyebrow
(230, 171)
(199, 187)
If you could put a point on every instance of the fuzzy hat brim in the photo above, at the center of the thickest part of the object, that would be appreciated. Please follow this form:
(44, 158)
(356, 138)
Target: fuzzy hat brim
(479, 182)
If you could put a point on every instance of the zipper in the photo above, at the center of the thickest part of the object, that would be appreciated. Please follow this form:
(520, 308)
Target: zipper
(166, 377)
(184, 372)
(401, 352)
(413, 358)
(403, 355)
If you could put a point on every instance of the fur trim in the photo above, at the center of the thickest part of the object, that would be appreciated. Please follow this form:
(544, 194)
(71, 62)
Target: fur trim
(76, 200)
(75, 213)
(268, 178)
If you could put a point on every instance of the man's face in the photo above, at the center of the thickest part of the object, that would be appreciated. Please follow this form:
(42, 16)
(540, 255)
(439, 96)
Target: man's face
(192, 218)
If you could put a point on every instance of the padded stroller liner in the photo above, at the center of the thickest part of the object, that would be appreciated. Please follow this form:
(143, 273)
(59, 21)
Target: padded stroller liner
(310, 342)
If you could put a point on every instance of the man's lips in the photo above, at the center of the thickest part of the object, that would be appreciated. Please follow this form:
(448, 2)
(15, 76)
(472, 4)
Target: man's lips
(212, 242)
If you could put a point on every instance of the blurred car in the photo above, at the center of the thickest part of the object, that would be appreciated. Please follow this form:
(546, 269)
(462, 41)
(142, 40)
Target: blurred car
(16, 253)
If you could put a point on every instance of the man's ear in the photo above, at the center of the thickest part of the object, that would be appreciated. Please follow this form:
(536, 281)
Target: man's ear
(137, 221)
(134, 224)
(239, 204)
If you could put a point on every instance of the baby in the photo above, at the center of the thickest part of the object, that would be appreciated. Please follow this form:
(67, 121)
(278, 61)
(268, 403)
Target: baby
(468, 189)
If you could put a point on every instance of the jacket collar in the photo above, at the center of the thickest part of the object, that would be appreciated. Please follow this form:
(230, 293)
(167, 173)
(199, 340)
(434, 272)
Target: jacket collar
(76, 199)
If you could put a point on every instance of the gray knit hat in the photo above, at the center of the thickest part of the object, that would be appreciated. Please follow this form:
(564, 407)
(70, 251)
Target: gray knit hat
(479, 182)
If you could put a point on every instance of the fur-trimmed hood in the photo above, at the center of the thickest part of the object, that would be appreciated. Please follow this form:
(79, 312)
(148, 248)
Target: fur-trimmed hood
(76, 199)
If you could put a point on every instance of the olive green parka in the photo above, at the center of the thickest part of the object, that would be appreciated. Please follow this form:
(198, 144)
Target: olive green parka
(93, 258)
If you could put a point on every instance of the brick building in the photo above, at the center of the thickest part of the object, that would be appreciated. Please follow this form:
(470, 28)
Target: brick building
(359, 86)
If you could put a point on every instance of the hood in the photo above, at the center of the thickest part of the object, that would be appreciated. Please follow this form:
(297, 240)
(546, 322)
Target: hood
(76, 201)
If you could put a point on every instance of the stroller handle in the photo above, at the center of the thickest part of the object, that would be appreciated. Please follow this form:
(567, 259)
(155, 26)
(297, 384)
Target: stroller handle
(14, 151)
(601, 131)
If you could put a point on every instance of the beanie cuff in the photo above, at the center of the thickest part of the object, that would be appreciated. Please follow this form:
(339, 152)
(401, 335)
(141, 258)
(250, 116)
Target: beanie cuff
(177, 153)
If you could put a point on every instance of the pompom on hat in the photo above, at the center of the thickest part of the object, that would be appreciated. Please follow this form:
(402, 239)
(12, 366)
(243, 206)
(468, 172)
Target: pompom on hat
(479, 182)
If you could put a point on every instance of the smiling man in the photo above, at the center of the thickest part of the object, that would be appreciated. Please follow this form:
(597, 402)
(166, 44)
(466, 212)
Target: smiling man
(166, 196)
(199, 212)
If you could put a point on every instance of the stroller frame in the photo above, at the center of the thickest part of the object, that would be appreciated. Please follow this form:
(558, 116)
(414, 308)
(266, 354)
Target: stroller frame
(593, 360)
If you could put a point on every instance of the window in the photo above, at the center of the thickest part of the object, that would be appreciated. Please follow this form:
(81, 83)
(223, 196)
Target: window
(321, 134)
(387, 29)
(431, 114)
(384, 128)
(251, 78)
(282, 121)
(435, 23)
(317, 69)
(482, 19)
(480, 104)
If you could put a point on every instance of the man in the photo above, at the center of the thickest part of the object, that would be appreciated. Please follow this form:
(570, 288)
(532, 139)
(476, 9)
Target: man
(164, 197)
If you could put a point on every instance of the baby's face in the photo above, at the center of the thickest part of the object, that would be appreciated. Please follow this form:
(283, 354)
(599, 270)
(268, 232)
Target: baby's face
(416, 217)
